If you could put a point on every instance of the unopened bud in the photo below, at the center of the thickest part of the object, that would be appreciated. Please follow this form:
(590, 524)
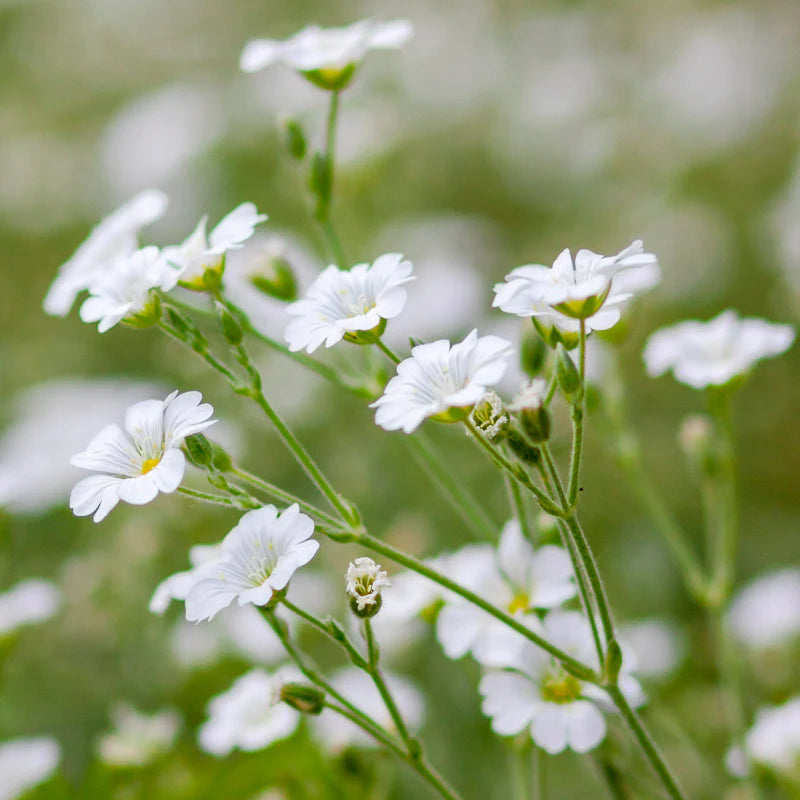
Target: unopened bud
(522, 448)
(303, 697)
(533, 413)
(533, 352)
(295, 139)
(231, 329)
(489, 417)
(198, 450)
(569, 378)
(278, 282)
(221, 461)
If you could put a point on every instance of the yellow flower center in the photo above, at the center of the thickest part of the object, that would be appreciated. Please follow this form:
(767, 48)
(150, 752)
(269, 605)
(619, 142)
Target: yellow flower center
(561, 689)
(149, 464)
(519, 603)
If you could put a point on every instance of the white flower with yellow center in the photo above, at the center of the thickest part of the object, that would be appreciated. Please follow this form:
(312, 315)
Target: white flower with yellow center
(259, 556)
(112, 239)
(364, 581)
(326, 56)
(341, 303)
(137, 739)
(25, 763)
(702, 354)
(441, 380)
(202, 251)
(136, 464)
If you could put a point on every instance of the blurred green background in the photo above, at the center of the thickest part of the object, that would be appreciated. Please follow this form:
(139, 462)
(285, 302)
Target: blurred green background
(502, 133)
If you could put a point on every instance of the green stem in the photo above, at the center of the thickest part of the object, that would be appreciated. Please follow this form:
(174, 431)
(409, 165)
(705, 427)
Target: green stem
(207, 497)
(324, 216)
(388, 352)
(380, 736)
(203, 353)
(578, 411)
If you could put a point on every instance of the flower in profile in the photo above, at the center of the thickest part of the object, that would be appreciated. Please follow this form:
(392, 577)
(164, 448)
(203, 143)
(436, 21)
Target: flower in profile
(364, 581)
(342, 303)
(591, 287)
(114, 238)
(27, 603)
(517, 578)
(250, 715)
(25, 763)
(124, 292)
(328, 57)
(259, 556)
(137, 739)
(146, 459)
(178, 585)
(773, 741)
(713, 353)
(440, 378)
(202, 252)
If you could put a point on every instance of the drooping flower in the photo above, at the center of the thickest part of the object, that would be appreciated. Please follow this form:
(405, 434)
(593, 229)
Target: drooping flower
(516, 578)
(259, 556)
(136, 465)
(114, 238)
(137, 739)
(25, 763)
(326, 56)
(203, 251)
(591, 287)
(440, 377)
(702, 354)
(125, 291)
(250, 715)
(341, 303)
(27, 603)
(774, 739)
(364, 581)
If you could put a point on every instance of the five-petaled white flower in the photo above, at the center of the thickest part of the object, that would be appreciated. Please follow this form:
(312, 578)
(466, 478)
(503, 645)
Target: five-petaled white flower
(250, 715)
(327, 56)
(364, 581)
(257, 557)
(112, 239)
(712, 353)
(137, 465)
(342, 302)
(137, 739)
(25, 763)
(27, 603)
(125, 290)
(439, 377)
(203, 251)
(516, 578)
(584, 288)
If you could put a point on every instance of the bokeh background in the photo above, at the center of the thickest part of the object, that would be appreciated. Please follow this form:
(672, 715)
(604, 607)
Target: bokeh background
(502, 133)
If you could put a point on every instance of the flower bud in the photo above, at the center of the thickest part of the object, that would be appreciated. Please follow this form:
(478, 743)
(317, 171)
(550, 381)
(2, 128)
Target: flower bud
(295, 139)
(522, 448)
(533, 352)
(320, 180)
(569, 378)
(489, 417)
(279, 282)
(231, 329)
(533, 412)
(363, 582)
(199, 450)
(221, 461)
(303, 697)
(554, 336)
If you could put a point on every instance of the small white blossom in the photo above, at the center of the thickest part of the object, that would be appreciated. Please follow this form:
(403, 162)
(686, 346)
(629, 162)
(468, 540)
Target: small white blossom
(774, 739)
(342, 302)
(178, 585)
(250, 715)
(137, 465)
(331, 51)
(113, 238)
(766, 612)
(702, 354)
(364, 580)
(137, 739)
(440, 376)
(258, 556)
(203, 251)
(531, 396)
(489, 415)
(125, 291)
(25, 763)
(653, 648)
(590, 287)
(27, 603)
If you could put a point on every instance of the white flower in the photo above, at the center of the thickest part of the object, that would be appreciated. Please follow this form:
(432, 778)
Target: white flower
(702, 354)
(364, 581)
(178, 585)
(258, 556)
(766, 612)
(137, 465)
(489, 415)
(774, 739)
(517, 579)
(530, 396)
(112, 239)
(329, 54)
(590, 287)
(341, 302)
(137, 739)
(125, 290)
(28, 602)
(534, 692)
(250, 715)
(337, 733)
(439, 377)
(653, 648)
(202, 251)
(25, 763)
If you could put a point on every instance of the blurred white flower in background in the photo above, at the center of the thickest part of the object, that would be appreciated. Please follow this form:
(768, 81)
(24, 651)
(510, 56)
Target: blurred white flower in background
(337, 733)
(783, 232)
(25, 763)
(773, 741)
(766, 612)
(137, 465)
(137, 739)
(26, 603)
(702, 354)
(654, 648)
(250, 715)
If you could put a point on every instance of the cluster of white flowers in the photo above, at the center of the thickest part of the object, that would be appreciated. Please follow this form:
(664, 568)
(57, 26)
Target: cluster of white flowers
(137, 739)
